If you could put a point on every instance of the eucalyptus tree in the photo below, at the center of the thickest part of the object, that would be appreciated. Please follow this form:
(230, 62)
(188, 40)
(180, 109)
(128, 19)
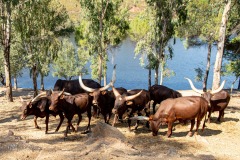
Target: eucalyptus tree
(39, 23)
(164, 15)
(68, 64)
(5, 32)
(201, 27)
(105, 27)
(221, 42)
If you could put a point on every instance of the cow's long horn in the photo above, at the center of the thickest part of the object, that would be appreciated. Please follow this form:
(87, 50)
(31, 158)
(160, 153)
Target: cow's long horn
(140, 118)
(193, 87)
(67, 94)
(61, 92)
(128, 98)
(83, 86)
(115, 92)
(219, 89)
(43, 94)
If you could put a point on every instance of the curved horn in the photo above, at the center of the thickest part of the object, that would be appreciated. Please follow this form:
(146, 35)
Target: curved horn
(192, 86)
(83, 86)
(112, 81)
(219, 89)
(43, 94)
(115, 92)
(67, 94)
(128, 98)
(61, 92)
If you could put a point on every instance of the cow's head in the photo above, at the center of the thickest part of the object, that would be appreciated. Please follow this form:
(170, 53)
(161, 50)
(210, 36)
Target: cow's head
(98, 93)
(207, 95)
(55, 100)
(29, 108)
(122, 101)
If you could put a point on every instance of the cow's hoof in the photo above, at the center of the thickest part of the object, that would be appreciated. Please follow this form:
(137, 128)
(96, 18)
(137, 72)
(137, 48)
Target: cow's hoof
(38, 127)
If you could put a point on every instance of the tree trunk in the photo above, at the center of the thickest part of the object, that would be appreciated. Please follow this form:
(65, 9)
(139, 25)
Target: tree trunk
(238, 84)
(161, 74)
(149, 77)
(15, 82)
(34, 78)
(6, 39)
(207, 68)
(100, 69)
(156, 74)
(42, 82)
(220, 48)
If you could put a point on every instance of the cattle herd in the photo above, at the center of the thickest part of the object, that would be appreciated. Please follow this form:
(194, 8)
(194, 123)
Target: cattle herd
(85, 95)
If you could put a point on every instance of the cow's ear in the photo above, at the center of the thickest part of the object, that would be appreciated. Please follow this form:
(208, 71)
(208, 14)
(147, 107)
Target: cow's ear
(104, 92)
(129, 102)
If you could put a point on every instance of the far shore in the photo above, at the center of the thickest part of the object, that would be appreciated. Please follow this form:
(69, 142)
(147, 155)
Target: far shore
(28, 92)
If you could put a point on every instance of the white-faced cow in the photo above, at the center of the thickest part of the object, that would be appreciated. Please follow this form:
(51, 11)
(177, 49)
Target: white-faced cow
(182, 109)
(218, 99)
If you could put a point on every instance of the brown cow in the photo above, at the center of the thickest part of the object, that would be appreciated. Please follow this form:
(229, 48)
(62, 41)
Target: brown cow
(182, 109)
(218, 99)
(71, 105)
(39, 107)
(159, 93)
(136, 101)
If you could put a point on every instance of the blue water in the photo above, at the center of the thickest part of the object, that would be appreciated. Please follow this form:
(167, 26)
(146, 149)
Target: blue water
(131, 75)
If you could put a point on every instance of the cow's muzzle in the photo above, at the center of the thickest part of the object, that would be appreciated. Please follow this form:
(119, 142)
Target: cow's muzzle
(114, 111)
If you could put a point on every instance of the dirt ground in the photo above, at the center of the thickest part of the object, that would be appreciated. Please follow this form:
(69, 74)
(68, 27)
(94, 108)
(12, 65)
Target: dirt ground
(20, 140)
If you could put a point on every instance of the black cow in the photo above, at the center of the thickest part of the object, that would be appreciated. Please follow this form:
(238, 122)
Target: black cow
(135, 101)
(39, 107)
(73, 87)
(159, 93)
(71, 105)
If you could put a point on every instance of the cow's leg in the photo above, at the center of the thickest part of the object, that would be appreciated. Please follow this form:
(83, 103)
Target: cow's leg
(35, 122)
(46, 122)
(154, 106)
(95, 111)
(61, 120)
(209, 116)
(198, 124)
(115, 119)
(191, 128)
(170, 126)
(69, 124)
(221, 114)
(79, 120)
(129, 124)
(89, 120)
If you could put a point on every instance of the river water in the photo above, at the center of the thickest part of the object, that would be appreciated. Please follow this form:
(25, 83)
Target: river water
(131, 75)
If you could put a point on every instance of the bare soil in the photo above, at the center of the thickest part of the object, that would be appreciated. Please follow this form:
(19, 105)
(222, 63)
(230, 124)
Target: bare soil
(20, 140)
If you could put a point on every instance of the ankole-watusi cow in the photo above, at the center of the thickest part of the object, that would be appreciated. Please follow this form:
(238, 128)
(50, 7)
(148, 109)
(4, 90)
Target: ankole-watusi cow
(71, 105)
(159, 93)
(39, 107)
(103, 100)
(135, 101)
(182, 109)
(218, 99)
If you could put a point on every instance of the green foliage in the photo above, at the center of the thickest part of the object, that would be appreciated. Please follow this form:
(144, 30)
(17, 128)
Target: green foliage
(39, 23)
(69, 63)
(103, 26)
(203, 18)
